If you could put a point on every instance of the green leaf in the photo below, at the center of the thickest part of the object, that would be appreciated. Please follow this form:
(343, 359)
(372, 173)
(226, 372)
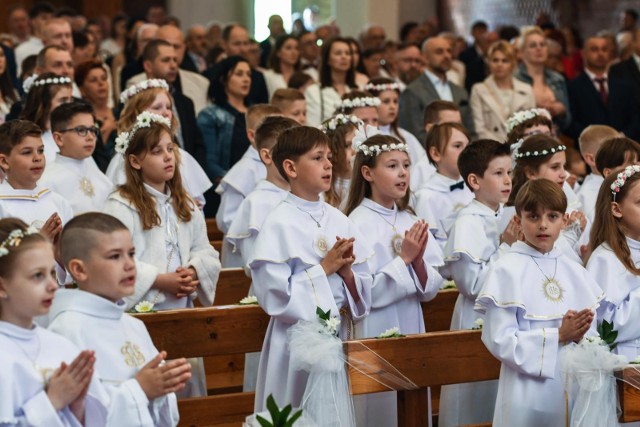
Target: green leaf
(322, 314)
(263, 422)
(284, 414)
(273, 408)
(294, 418)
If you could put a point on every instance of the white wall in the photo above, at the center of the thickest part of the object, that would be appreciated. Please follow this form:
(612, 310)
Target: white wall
(351, 15)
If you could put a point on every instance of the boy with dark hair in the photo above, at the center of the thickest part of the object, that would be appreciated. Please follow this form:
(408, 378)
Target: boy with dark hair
(73, 174)
(615, 153)
(474, 243)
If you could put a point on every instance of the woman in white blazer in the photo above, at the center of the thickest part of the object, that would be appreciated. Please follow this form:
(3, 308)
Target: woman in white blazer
(499, 95)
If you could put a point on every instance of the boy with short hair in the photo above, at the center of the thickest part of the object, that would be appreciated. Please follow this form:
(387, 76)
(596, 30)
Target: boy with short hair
(534, 301)
(97, 250)
(267, 195)
(74, 174)
(292, 103)
(241, 179)
(617, 153)
(444, 193)
(307, 256)
(437, 112)
(474, 243)
(23, 162)
(591, 139)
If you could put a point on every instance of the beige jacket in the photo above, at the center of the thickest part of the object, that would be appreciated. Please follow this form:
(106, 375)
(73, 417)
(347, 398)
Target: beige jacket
(489, 112)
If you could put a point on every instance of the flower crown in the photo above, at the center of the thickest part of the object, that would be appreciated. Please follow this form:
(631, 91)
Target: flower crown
(365, 132)
(15, 238)
(33, 81)
(131, 91)
(368, 101)
(144, 120)
(382, 87)
(537, 153)
(339, 120)
(522, 116)
(621, 179)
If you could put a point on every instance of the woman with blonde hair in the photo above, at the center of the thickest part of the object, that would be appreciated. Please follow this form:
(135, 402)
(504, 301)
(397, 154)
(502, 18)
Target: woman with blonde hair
(500, 95)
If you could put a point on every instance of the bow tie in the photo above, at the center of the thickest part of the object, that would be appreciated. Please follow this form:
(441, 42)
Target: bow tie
(457, 186)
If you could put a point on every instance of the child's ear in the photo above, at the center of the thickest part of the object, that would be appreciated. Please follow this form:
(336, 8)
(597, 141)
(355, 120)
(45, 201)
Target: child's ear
(565, 220)
(4, 164)
(615, 210)
(474, 182)
(517, 220)
(3, 291)
(57, 137)
(134, 162)
(265, 156)
(435, 154)
(251, 136)
(529, 173)
(289, 167)
(77, 269)
(606, 172)
(589, 158)
(366, 173)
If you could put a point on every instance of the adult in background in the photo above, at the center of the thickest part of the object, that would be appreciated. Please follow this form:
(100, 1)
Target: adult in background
(283, 62)
(39, 14)
(409, 64)
(629, 70)
(276, 29)
(500, 95)
(8, 94)
(197, 47)
(473, 57)
(598, 98)
(235, 42)
(91, 78)
(549, 87)
(336, 77)
(432, 85)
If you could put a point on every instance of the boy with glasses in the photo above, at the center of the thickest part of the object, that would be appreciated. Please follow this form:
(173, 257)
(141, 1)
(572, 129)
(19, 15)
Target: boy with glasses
(74, 174)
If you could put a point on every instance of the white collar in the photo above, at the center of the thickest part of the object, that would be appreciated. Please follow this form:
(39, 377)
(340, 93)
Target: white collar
(524, 248)
(17, 332)
(435, 79)
(161, 197)
(593, 77)
(85, 302)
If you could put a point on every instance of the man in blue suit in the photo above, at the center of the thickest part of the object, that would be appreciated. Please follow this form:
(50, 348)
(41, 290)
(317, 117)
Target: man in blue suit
(597, 97)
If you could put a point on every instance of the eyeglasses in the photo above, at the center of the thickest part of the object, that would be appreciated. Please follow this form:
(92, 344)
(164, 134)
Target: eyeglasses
(82, 130)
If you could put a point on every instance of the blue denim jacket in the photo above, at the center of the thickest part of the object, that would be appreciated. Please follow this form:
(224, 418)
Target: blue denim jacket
(557, 84)
(216, 126)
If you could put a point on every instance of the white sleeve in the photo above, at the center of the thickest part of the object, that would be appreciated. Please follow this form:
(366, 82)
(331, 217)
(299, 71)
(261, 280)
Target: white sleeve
(533, 352)
(230, 201)
(37, 412)
(624, 316)
(396, 281)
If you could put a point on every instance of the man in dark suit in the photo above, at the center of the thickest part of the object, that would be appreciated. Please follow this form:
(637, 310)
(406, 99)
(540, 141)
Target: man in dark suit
(430, 86)
(276, 29)
(629, 69)
(144, 35)
(473, 56)
(598, 98)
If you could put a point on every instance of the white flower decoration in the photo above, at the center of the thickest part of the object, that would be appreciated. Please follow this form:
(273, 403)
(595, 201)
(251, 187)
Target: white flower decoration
(339, 120)
(332, 324)
(250, 300)
(144, 120)
(522, 116)
(518, 155)
(142, 86)
(391, 333)
(369, 101)
(478, 324)
(622, 177)
(34, 82)
(382, 87)
(143, 307)
(14, 239)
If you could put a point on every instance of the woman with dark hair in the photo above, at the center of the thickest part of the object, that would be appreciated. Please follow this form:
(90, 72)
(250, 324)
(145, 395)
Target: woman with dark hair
(283, 62)
(223, 124)
(361, 75)
(91, 78)
(337, 77)
(8, 94)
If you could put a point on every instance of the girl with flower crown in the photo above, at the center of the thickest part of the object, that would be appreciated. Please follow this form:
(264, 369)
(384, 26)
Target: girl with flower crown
(153, 96)
(615, 256)
(340, 129)
(44, 93)
(541, 156)
(46, 380)
(176, 263)
(405, 251)
(362, 105)
(388, 91)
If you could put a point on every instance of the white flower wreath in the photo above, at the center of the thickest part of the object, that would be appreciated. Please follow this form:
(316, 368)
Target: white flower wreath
(369, 101)
(365, 132)
(142, 86)
(144, 120)
(339, 120)
(522, 116)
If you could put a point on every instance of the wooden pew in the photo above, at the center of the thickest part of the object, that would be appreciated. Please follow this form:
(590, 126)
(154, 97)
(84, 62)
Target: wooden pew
(445, 358)
(233, 285)
(213, 232)
(629, 396)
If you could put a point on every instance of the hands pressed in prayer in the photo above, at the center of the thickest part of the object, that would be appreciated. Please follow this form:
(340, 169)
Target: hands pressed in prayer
(414, 243)
(577, 216)
(574, 325)
(339, 258)
(52, 228)
(511, 234)
(187, 273)
(69, 383)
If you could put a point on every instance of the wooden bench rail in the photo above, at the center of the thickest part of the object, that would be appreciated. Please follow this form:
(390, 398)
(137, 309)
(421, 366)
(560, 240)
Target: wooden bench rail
(213, 232)
(233, 285)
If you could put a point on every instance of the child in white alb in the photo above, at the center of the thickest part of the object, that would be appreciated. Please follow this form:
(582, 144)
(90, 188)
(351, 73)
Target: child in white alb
(308, 256)
(473, 245)
(405, 252)
(74, 174)
(550, 301)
